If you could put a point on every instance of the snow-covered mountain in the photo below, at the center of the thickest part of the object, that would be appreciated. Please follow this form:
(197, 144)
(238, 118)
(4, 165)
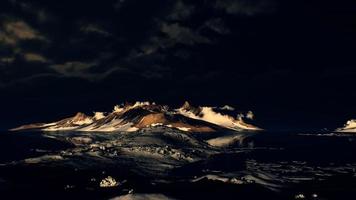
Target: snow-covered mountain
(145, 115)
(350, 126)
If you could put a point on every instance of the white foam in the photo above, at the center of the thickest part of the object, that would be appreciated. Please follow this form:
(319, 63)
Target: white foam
(213, 177)
(142, 197)
(224, 141)
(43, 159)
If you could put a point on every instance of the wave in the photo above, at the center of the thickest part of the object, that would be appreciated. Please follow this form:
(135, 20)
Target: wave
(142, 197)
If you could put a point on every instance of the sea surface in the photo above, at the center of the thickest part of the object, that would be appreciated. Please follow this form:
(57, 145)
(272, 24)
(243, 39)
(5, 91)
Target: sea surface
(167, 164)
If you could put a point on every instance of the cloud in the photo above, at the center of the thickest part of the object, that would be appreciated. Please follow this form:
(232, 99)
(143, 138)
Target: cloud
(167, 37)
(73, 68)
(174, 34)
(7, 60)
(31, 80)
(183, 35)
(34, 57)
(118, 4)
(244, 7)
(21, 30)
(87, 70)
(41, 14)
(166, 44)
(181, 11)
(14, 31)
(94, 28)
(217, 25)
(20, 42)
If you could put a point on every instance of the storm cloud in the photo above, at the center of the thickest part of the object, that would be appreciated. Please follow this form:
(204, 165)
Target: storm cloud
(263, 53)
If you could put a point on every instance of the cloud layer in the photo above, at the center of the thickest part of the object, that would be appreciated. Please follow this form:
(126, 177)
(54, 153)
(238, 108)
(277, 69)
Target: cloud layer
(269, 53)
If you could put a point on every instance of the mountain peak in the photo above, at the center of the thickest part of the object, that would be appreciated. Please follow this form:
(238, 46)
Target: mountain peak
(80, 117)
(186, 106)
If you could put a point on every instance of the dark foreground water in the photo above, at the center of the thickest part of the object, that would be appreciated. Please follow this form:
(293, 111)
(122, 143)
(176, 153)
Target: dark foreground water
(175, 165)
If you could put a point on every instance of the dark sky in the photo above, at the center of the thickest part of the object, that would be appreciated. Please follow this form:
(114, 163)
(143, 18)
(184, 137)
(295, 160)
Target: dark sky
(291, 62)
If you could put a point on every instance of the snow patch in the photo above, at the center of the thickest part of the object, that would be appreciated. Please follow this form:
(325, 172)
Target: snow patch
(250, 115)
(209, 115)
(98, 115)
(108, 182)
(350, 126)
(83, 122)
(227, 107)
(183, 129)
(139, 104)
(118, 109)
(156, 124)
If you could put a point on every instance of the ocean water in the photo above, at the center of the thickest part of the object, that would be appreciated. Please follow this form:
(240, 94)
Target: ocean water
(166, 164)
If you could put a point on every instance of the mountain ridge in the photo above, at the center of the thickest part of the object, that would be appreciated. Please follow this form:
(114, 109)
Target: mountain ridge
(130, 117)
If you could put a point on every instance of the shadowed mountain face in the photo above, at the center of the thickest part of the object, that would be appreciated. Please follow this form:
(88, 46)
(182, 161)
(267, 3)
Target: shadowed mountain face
(145, 115)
